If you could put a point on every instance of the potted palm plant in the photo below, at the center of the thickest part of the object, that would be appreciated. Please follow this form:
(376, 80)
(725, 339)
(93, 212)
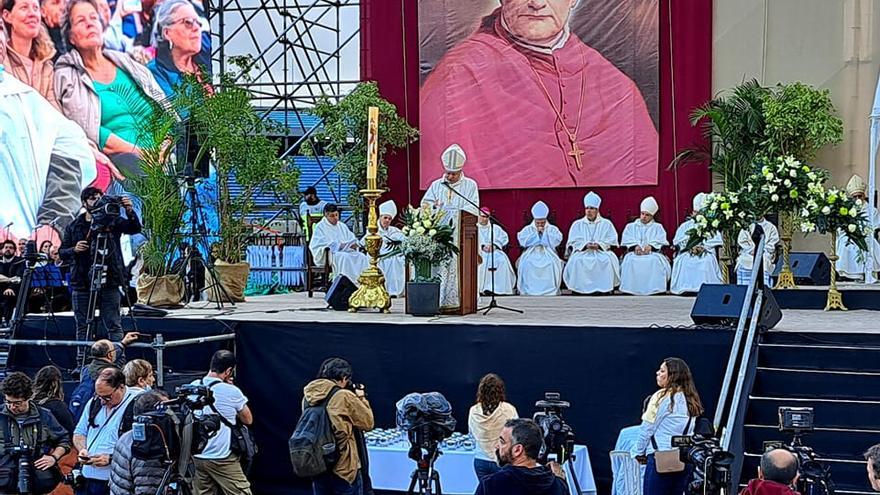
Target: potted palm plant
(733, 126)
(428, 243)
(233, 134)
(162, 209)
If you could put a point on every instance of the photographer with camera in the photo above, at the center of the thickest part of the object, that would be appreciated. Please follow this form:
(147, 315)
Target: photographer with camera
(777, 474)
(79, 248)
(671, 411)
(29, 463)
(97, 431)
(517, 450)
(11, 269)
(350, 415)
(128, 474)
(218, 467)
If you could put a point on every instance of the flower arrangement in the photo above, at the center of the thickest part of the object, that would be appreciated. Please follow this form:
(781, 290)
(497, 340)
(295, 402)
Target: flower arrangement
(784, 184)
(829, 211)
(722, 212)
(428, 241)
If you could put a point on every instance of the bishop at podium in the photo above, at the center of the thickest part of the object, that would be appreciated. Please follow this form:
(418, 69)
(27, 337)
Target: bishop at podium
(454, 193)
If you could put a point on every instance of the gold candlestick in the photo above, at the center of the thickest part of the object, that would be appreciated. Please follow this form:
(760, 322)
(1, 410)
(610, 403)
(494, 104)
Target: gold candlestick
(835, 298)
(372, 292)
(786, 277)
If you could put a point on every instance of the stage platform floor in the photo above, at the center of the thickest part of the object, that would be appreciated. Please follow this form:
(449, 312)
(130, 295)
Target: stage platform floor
(571, 311)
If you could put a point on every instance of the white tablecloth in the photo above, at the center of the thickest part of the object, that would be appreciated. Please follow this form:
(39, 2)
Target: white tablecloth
(390, 469)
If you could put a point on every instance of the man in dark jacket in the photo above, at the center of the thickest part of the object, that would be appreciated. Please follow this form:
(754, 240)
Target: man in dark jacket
(33, 428)
(128, 474)
(777, 474)
(517, 452)
(79, 247)
(11, 269)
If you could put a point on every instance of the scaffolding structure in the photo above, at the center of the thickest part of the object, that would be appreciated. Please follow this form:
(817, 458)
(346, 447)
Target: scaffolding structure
(301, 51)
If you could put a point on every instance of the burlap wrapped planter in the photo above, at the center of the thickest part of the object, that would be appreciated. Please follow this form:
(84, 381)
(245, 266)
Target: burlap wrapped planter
(233, 278)
(163, 292)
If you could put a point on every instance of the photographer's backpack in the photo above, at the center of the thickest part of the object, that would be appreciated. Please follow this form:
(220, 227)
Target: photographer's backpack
(81, 394)
(313, 449)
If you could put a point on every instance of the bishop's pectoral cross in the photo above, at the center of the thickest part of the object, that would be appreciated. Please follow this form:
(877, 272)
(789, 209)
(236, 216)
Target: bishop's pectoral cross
(576, 152)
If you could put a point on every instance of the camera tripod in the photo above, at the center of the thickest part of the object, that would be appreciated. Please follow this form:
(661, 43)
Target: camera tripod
(195, 266)
(427, 478)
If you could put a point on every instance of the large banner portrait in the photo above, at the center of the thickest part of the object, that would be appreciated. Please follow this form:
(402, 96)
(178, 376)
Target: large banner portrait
(73, 132)
(541, 93)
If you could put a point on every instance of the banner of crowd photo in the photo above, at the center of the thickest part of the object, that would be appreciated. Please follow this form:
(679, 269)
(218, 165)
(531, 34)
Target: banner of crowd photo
(557, 93)
(63, 128)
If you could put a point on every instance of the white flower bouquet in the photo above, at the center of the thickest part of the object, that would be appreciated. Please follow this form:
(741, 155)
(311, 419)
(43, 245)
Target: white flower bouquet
(428, 241)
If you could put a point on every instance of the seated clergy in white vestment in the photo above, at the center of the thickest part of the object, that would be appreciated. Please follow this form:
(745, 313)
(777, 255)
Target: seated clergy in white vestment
(645, 270)
(745, 261)
(330, 233)
(539, 269)
(393, 267)
(699, 265)
(853, 263)
(493, 239)
(592, 266)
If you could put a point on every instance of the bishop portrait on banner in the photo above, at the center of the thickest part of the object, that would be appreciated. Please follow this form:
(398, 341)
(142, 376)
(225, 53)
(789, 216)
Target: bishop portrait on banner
(535, 107)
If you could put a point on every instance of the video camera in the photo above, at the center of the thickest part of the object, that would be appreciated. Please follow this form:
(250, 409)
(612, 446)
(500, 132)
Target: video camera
(815, 477)
(427, 419)
(558, 435)
(172, 429)
(106, 212)
(713, 466)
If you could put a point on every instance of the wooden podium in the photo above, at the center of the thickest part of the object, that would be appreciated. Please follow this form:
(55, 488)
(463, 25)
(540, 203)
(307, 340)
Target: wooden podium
(467, 260)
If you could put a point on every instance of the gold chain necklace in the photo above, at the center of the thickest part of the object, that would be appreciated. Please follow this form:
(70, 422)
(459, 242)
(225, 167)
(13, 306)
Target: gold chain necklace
(575, 152)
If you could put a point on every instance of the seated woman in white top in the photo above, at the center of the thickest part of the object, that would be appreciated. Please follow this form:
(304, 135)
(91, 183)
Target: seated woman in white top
(671, 411)
(486, 420)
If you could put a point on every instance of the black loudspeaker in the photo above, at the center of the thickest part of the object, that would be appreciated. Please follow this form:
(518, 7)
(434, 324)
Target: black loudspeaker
(340, 291)
(808, 268)
(720, 304)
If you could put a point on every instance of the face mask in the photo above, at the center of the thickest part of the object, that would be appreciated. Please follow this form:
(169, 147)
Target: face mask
(147, 388)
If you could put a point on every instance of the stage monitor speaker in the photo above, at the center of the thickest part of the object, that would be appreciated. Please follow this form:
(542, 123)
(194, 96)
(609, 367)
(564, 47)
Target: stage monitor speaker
(720, 304)
(340, 291)
(808, 268)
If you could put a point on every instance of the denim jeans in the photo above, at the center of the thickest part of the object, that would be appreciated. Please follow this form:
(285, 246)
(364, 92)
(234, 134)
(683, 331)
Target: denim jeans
(665, 483)
(94, 487)
(330, 484)
(484, 468)
(110, 320)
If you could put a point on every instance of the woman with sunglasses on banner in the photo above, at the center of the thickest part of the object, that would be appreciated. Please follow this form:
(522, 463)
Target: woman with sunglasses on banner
(671, 411)
(182, 45)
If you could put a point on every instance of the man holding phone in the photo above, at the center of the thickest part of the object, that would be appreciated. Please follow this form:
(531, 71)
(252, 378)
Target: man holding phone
(96, 434)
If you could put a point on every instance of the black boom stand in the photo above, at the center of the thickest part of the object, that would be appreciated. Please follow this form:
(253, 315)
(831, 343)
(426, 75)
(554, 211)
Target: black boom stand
(493, 302)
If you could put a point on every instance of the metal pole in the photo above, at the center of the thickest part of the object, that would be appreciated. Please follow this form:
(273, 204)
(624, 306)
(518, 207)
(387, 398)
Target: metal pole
(737, 340)
(159, 345)
(198, 340)
(741, 376)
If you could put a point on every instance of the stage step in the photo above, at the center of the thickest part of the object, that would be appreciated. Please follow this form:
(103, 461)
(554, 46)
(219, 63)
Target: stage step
(829, 413)
(838, 375)
(840, 357)
(811, 384)
(828, 443)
